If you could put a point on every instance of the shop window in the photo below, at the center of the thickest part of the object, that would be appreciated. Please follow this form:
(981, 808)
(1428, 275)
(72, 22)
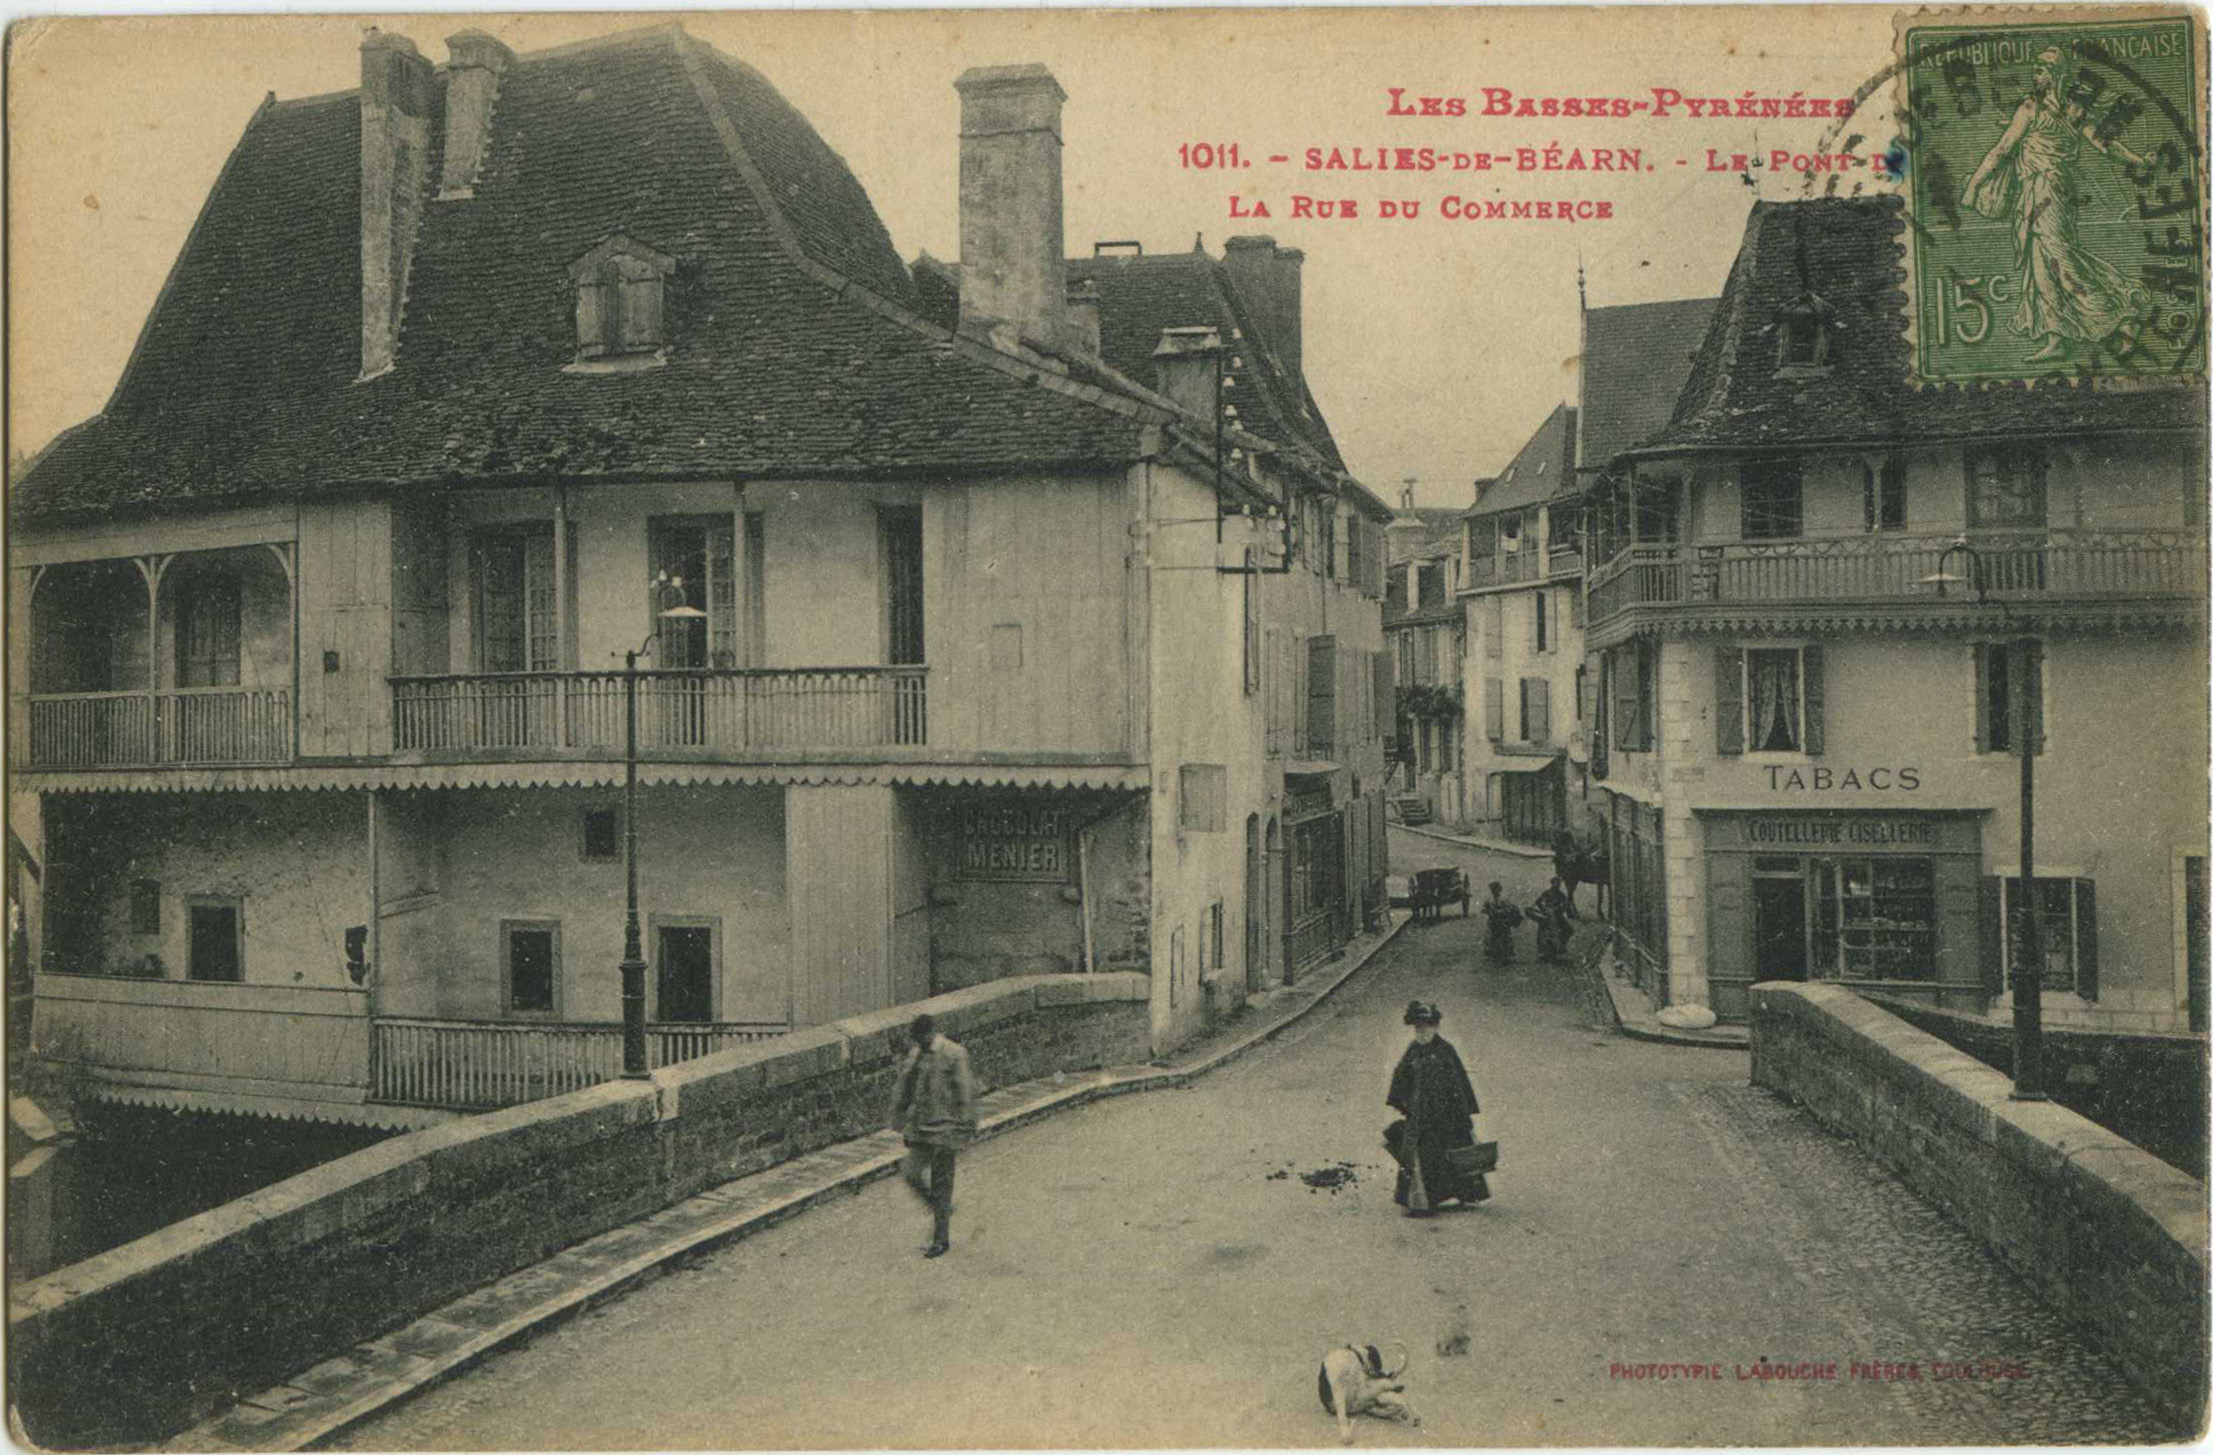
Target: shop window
(602, 834)
(1772, 505)
(1998, 710)
(2005, 486)
(214, 939)
(1873, 918)
(145, 906)
(2070, 924)
(530, 966)
(1885, 492)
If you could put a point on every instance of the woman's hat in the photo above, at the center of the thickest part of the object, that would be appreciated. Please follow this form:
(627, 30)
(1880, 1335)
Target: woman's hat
(1422, 1013)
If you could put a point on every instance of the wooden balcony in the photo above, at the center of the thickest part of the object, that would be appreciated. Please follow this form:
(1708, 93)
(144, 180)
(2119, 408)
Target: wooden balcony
(226, 1039)
(483, 1065)
(172, 727)
(2079, 567)
(1515, 568)
(681, 714)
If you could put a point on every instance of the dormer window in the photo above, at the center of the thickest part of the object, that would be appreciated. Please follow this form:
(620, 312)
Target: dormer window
(1805, 328)
(619, 315)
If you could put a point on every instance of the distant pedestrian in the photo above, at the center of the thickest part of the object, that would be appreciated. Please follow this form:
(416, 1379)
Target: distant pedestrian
(1500, 919)
(1431, 1091)
(935, 1111)
(1552, 911)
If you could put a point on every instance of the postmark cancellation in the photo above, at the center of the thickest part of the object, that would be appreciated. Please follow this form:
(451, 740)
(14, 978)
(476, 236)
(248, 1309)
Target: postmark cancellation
(2054, 165)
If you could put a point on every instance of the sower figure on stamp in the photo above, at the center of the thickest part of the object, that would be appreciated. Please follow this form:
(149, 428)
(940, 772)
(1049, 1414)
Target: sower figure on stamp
(934, 1109)
(2068, 293)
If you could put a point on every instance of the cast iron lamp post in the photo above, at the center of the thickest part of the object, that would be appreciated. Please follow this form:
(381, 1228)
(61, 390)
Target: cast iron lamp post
(2028, 969)
(633, 949)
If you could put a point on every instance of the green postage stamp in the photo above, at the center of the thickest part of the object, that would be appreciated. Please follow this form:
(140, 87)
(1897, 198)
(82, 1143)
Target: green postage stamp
(2053, 165)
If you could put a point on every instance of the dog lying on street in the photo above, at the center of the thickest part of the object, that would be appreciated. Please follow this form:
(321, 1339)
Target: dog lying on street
(1356, 1380)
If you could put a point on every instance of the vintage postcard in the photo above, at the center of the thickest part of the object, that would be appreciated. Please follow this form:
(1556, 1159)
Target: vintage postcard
(1219, 728)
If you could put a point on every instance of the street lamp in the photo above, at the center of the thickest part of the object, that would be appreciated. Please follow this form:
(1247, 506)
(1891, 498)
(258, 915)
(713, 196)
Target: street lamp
(2028, 969)
(633, 949)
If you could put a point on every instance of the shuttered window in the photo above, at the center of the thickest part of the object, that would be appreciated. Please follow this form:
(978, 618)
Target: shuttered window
(1386, 705)
(1997, 706)
(1634, 669)
(1536, 710)
(1251, 585)
(1494, 708)
(620, 301)
(1321, 696)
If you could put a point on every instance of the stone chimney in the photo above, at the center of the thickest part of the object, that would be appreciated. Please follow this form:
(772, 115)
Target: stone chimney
(1406, 499)
(473, 67)
(1011, 261)
(1187, 366)
(1083, 317)
(1269, 277)
(396, 92)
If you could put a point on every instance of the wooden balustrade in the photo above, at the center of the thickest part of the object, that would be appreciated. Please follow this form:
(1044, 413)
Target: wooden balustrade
(172, 727)
(783, 709)
(481, 1065)
(2055, 563)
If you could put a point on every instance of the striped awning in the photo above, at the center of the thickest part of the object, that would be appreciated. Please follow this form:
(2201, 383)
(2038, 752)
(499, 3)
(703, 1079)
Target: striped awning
(593, 774)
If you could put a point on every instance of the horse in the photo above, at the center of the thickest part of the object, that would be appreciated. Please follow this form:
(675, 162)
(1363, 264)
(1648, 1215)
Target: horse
(1577, 862)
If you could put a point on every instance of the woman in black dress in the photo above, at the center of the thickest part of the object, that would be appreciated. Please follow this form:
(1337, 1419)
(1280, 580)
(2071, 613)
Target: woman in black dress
(1430, 1089)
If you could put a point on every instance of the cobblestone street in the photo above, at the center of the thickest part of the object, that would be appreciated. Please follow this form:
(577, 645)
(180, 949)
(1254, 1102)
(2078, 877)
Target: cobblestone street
(1166, 1269)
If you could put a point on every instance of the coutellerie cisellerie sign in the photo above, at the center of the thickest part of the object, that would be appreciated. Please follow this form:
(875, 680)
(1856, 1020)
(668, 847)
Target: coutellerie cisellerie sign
(1013, 840)
(1756, 832)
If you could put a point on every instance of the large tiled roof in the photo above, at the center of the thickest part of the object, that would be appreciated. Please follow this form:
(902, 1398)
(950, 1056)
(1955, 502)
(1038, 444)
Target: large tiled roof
(1141, 295)
(1545, 467)
(793, 347)
(1848, 253)
(1635, 359)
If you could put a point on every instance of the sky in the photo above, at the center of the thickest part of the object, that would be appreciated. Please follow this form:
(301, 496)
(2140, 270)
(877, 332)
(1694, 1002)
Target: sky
(1434, 347)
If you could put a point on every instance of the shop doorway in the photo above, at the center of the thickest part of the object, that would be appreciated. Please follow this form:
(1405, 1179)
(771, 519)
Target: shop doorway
(1778, 925)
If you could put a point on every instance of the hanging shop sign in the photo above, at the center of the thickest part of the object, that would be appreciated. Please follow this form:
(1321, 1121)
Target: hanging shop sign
(1011, 839)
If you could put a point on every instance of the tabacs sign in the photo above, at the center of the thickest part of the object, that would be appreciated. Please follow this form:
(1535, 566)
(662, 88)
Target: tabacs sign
(1014, 841)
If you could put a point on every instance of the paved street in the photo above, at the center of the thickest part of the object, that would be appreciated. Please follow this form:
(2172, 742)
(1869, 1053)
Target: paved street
(1162, 1270)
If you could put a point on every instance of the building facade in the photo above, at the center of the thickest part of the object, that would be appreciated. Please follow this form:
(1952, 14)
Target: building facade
(320, 629)
(1426, 641)
(1809, 756)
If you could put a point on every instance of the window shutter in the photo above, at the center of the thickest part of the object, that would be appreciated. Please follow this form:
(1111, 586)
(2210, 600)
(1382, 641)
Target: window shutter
(1575, 607)
(1991, 934)
(2086, 939)
(592, 316)
(1729, 700)
(1494, 708)
(1494, 625)
(1540, 710)
(1321, 696)
(1809, 676)
(1598, 718)
(1623, 669)
(2033, 665)
(1982, 697)
(1385, 696)
(640, 313)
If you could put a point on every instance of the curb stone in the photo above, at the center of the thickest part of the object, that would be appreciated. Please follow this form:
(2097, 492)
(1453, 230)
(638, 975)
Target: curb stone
(359, 1382)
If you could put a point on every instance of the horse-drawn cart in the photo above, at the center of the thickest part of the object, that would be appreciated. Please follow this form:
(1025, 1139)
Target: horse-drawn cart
(1433, 889)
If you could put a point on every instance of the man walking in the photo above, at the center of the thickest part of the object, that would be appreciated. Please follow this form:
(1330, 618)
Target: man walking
(935, 1111)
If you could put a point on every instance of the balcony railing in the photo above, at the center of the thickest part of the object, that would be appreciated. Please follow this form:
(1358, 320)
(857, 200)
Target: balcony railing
(683, 713)
(178, 726)
(1510, 568)
(2086, 564)
(482, 1065)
